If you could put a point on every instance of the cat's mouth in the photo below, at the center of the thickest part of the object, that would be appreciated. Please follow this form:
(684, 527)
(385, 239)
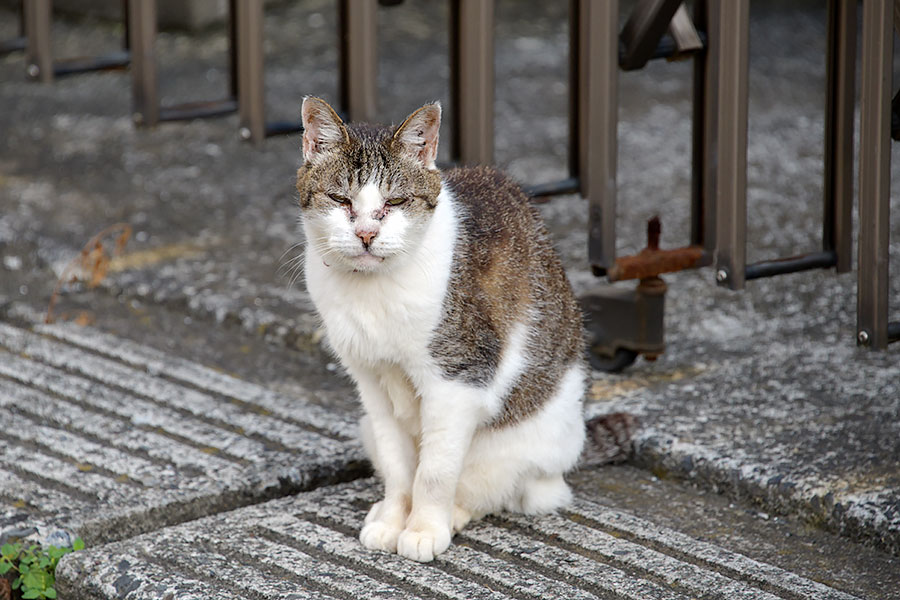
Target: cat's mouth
(367, 259)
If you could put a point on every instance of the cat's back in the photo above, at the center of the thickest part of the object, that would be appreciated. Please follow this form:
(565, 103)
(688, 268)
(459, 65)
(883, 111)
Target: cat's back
(495, 211)
(501, 231)
(507, 278)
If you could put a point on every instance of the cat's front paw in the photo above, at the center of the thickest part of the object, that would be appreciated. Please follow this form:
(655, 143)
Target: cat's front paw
(378, 535)
(383, 525)
(422, 542)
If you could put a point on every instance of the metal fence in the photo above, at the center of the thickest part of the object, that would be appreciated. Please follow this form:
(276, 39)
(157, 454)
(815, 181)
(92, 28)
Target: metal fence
(715, 38)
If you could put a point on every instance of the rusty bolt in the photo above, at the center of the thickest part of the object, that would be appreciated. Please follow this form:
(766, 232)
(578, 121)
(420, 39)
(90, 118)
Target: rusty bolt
(654, 228)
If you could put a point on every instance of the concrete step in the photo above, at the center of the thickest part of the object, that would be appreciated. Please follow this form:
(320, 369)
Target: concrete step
(106, 438)
(816, 437)
(306, 547)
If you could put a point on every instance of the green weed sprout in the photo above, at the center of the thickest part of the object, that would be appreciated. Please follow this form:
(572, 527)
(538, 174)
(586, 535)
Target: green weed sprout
(35, 567)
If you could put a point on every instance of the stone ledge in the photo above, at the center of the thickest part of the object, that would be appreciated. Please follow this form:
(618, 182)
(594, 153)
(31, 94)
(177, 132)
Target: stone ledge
(306, 547)
(115, 439)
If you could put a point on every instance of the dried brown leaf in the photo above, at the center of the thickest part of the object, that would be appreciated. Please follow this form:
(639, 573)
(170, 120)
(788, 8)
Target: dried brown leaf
(123, 239)
(99, 271)
(94, 263)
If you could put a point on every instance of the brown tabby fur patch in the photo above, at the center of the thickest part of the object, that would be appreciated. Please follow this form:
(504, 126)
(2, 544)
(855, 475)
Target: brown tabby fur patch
(369, 155)
(505, 271)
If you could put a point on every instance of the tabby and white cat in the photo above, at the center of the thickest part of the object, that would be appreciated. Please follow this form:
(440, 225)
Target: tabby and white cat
(444, 300)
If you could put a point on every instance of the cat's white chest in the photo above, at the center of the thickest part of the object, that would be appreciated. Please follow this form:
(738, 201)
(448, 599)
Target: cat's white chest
(378, 321)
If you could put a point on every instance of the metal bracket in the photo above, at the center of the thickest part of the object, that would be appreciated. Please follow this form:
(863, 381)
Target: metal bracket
(623, 323)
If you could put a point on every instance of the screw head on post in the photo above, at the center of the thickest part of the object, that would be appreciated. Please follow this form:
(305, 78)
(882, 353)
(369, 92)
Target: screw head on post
(33, 71)
(245, 133)
(862, 338)
(722, 275)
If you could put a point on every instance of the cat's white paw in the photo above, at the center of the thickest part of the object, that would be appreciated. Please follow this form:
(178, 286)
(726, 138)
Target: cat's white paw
(541, 495)
(461, 518)
(423, 543)
(379, 535)
(383, 525)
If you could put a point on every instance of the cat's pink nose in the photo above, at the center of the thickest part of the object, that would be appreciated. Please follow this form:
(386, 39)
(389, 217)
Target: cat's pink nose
(366, 237)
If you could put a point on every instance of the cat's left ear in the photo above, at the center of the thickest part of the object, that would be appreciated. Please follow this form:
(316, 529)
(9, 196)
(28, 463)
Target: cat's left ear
(418, 136)
(323, 129)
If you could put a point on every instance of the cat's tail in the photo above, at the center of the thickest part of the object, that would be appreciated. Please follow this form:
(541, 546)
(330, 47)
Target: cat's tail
(611, 438)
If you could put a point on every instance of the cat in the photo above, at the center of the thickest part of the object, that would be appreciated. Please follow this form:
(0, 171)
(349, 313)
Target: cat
(444, 300)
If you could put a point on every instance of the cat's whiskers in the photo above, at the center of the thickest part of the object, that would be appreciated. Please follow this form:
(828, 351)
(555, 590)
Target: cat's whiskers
(289, 266)
(294, 274)
(301, 244)
(292, 268)
(296, 270)
(293, 246)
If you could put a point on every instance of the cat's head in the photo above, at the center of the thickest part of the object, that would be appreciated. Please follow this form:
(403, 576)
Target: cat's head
(367, 193)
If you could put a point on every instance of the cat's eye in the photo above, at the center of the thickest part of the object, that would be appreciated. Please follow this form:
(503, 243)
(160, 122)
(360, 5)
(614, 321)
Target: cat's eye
(395, 201)
(339, 199)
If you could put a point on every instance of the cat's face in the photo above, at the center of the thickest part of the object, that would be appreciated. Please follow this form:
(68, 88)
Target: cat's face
(367, 193)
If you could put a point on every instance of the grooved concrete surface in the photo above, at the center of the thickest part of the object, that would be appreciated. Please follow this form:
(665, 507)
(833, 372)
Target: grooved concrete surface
(112, 438)
(306, 547)
(761, 393)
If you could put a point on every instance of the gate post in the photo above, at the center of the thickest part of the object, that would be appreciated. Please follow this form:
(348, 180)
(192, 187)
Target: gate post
(874, 173)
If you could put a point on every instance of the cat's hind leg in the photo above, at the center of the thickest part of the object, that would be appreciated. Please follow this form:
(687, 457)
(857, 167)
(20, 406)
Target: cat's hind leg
(544, 494)
(520, 467)
(461, 518)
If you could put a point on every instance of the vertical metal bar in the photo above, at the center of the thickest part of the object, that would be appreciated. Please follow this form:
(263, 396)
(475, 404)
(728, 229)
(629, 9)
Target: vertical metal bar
(232, 49)
(704, 133)
(874, 173)
(38, 54)
(126, 41)
(472, 79)
(142, 41)
(250, 69)
(598, 116)
(574, 90)
(839, 108)
(732, 47)
(17, 43)
(359, 58)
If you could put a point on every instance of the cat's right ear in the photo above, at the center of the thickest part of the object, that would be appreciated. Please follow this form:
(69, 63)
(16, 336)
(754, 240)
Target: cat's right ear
(323, 129)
